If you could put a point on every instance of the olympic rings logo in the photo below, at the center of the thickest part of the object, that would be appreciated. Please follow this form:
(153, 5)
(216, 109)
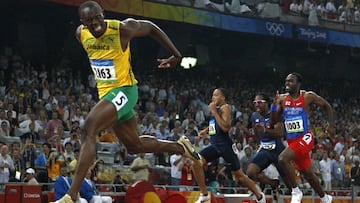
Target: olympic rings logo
(275, 28)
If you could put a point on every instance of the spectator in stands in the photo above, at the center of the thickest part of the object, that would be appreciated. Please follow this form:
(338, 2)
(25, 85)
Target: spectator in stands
(237, 132)
(347, 172)
(24, 126)
(339, 146)
(145, 126)
(325, 168)
(4, 129)
(74, 138)
(53, 165)
(119, 182)
(357, 14)
(25, 115)
(296, 7)
(14, 123)
(321, 10)
(6, 165)
(187, 176)
(355, 173)
(236, 7)
(245, 161)
(32, 134)
(77, 116)
(73, 163)
(175, 133)
(211, 173)
(141, 168)
(42, 119)
(68, 153)
(186, 121)
(30, 177)
(62, 184)
(89, 191)
(176, 162)
(313, 15)
(331, 10)
(199, 115)
(11, 96)
(41, 163)
(28, 153)
(315, 165)
(205, 143)
(19, 166)
(337, 172)
(53, 125)
(191, 131)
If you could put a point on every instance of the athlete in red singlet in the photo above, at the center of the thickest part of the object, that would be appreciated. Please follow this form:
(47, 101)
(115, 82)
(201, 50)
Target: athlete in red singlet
(294, 107)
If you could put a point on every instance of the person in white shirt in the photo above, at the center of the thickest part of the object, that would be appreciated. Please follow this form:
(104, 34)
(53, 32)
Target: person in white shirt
(176, 162)
(339, 146)
(6, 165)
(294, 7)
(325, 169)
(30, 177)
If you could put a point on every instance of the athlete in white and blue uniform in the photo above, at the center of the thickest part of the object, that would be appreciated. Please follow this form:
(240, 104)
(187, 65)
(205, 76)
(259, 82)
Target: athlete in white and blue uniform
(270, 142)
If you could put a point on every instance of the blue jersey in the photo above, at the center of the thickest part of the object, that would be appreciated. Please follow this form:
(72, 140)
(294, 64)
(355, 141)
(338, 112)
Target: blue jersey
(265, 140)
(270, 147)
(295, 117)
(221, 146)
(217, 136)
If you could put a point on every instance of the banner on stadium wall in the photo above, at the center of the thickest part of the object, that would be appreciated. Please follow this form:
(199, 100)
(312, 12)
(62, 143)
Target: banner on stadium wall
(257, 26)
(312, 34)
(344, 38)
(328, 36)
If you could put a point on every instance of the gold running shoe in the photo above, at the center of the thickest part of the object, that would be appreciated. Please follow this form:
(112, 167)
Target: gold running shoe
(65, 199)
(188, 148)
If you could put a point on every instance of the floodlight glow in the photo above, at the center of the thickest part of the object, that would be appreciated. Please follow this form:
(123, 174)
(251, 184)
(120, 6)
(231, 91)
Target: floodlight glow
(188, 62)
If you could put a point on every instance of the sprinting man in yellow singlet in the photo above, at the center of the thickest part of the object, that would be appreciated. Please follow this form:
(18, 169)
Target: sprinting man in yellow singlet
(107, 44)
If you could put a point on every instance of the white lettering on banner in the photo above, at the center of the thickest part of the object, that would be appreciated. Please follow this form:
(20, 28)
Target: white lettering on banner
(275, 28)
(30, 195)
(312, 34)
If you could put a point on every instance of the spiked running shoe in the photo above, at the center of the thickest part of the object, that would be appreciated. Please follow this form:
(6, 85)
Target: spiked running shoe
(65, 199)
(188, 148)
